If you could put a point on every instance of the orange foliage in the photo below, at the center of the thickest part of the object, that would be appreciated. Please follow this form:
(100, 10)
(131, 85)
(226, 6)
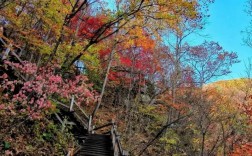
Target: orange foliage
(243, 150)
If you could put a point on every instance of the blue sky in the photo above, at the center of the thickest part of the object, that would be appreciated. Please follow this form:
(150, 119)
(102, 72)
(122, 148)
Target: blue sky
(227, 19)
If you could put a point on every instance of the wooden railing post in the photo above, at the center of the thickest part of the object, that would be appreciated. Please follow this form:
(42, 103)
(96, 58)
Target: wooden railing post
(125, 153)
(117, 147)
(90, 125)
(72, 103)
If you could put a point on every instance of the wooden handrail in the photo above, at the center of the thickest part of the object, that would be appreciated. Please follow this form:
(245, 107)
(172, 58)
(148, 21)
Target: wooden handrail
(58, 102)
(83, 122)
(118, 150)
(17, 57)
(106, 125)
(58, 117)
(3, 41)
(74, 103)
(9, 50)
(83, 112)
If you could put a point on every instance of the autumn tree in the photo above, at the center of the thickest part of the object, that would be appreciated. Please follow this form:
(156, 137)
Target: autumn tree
(243, 145)
(175, 73)
(209, 60)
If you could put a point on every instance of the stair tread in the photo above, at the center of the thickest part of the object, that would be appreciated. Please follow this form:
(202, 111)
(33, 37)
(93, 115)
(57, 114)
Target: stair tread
(96, 152)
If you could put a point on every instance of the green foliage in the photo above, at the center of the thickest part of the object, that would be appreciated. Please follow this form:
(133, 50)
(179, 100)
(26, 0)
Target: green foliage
(40, 134)
(149, 112)
(170, 138)
(95, 78)
(6, 145)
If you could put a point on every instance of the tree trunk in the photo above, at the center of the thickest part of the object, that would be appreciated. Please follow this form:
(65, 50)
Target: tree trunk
(105, 80)
(203, 144)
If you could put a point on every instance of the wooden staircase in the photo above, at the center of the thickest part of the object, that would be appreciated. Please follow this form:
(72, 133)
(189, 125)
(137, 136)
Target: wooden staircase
(96, 145)
(91, 144)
